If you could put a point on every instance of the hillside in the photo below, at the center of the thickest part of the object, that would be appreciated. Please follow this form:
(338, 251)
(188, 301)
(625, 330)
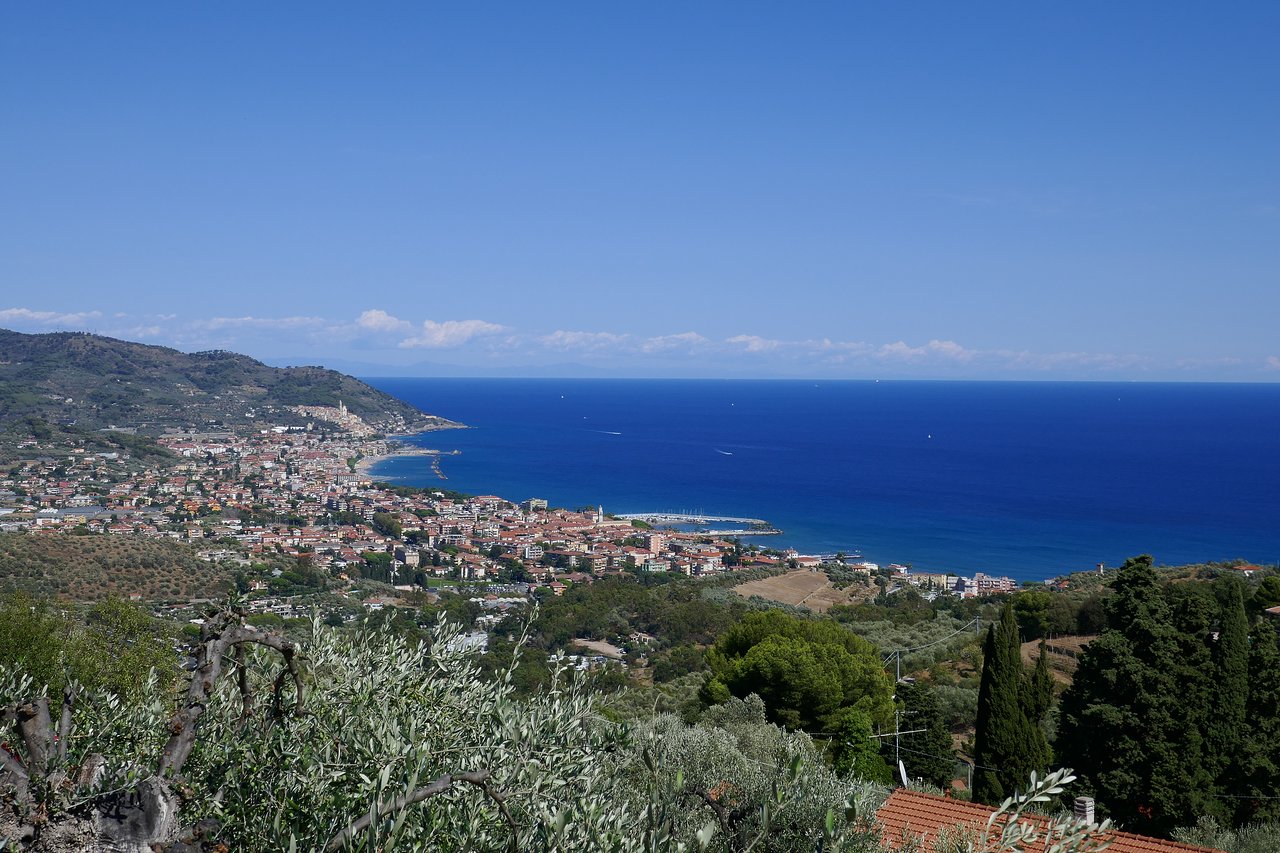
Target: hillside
(804, 588)
(97, 382)
(90, 568)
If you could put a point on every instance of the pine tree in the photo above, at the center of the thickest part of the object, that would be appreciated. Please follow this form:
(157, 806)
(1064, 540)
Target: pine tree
(1124, 722)
(1008, 744)
(928, 755)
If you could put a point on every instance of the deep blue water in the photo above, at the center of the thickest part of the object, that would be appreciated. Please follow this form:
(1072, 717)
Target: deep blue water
(1026, 479)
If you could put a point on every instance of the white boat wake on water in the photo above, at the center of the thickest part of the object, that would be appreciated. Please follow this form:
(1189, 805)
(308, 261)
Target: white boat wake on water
(725, 452)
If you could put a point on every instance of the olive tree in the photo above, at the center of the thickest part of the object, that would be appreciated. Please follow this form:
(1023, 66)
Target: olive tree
(360, 742)
(371, 741)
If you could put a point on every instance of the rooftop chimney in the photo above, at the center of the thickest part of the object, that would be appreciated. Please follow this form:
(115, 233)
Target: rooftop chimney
(1083, 809)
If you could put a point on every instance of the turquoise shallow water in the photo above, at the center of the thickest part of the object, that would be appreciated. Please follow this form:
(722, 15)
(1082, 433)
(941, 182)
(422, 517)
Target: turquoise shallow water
(1025, 479)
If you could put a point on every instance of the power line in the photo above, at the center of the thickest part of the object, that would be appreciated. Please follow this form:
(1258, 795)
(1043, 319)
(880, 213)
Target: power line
(953, 758)
(897, 653)
(1242, 797)
(935, 642)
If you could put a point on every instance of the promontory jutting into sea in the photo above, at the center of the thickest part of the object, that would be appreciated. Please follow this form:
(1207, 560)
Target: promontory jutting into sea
(1029, 480)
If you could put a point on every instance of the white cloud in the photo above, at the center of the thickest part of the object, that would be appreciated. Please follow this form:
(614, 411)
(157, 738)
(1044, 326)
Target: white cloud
(754, 343)
(262, 322)
(900, 350)
(566, 340)
(681, 340)
(47, 318)
(935, 349)
(951, 350)
(376, 327)
(1273, 362)
(845, 347)
(377, 320)
(450, 333)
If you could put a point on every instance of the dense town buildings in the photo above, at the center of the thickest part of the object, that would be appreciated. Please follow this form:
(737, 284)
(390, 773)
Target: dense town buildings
(301, 492)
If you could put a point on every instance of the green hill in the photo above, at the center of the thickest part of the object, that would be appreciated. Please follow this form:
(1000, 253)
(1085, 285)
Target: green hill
(96, 382)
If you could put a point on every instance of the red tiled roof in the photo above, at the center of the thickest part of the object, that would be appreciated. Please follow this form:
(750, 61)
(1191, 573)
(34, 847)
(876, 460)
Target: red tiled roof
(915, 815)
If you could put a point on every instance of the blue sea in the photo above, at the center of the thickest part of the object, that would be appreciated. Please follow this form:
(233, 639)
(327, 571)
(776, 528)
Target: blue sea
(1027, 479)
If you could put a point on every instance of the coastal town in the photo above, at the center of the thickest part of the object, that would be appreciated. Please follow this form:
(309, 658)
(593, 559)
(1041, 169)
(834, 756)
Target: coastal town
(306, 493)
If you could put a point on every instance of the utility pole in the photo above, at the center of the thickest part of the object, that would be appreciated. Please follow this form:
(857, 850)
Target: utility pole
(897, 735)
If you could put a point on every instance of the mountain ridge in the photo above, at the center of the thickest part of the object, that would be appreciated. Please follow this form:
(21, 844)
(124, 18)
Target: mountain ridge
(97, 382)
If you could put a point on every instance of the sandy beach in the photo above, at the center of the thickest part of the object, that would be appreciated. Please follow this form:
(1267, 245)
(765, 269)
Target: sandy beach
(366, 463)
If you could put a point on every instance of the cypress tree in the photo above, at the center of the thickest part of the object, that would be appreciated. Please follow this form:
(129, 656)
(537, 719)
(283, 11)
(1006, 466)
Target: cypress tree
(1008, 744)
(1259, 765)
(1189, 765)
(1040, 687)
(1037, 699)
(993, 709)
(1226, 731)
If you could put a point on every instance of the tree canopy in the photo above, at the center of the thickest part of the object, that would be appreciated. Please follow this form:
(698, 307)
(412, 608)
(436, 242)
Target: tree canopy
(1175, 709)
(113, 647)
(1009, 743)
(805, 670)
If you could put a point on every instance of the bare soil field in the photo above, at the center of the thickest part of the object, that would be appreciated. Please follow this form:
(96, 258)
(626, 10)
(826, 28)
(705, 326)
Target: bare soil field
(1063, 653)
(600, 647)
(804, 588)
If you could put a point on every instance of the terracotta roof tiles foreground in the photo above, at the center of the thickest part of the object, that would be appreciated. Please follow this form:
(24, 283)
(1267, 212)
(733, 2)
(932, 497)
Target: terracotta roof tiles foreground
(915, 815)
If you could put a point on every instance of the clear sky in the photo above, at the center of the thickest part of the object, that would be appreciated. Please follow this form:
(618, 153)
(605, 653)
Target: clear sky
(930, 189)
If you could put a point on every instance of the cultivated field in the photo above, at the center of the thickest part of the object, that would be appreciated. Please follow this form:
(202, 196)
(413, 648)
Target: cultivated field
(804, 588)
(1063, 652)
(90, 568)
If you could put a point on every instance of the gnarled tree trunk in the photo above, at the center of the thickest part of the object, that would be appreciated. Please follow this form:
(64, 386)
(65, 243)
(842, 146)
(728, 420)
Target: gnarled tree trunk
(146, 818)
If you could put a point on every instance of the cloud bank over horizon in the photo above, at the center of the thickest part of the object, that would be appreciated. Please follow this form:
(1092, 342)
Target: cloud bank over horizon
(376, 337)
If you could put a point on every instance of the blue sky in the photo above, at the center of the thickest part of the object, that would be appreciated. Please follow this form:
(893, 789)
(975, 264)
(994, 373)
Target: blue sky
(984, 190)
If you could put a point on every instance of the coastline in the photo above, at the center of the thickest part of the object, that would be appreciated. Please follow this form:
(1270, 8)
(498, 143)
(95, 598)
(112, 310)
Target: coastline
(396, 446)
(366, 464)
(1025, 480)
(433, 423)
